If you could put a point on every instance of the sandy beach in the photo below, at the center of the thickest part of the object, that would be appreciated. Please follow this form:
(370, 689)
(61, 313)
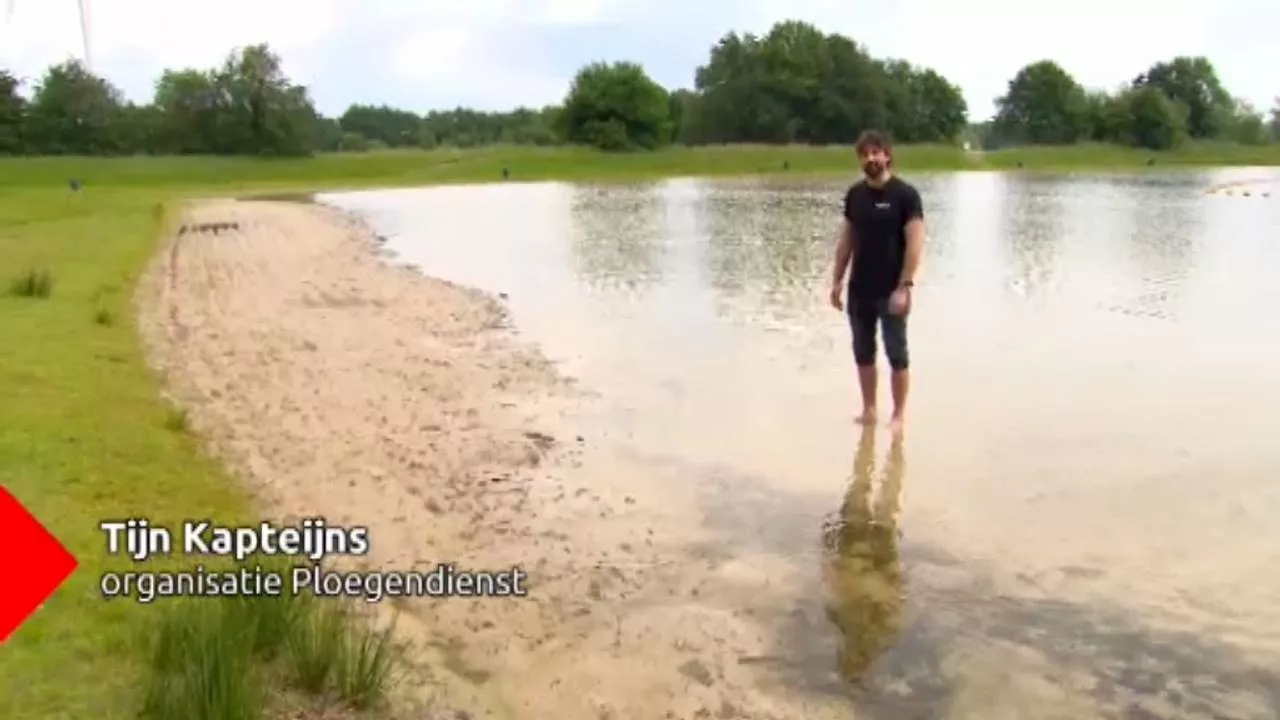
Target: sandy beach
(337, 384)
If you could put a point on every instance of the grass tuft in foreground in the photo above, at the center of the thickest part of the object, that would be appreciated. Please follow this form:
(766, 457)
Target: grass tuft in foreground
(314, 649)
(221, 660)
(32, 284)
(202, 666)
(176, 419)
(367, 666)
(334, 649)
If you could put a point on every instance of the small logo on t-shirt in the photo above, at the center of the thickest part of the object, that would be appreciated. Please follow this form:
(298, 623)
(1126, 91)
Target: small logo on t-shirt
(882, 206)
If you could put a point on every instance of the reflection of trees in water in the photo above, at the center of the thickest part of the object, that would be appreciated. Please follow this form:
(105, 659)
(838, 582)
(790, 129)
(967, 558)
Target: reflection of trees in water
(1142, 230)
(769, 244)
(1160, 247)
(941, 195)
(618, 239)
(864, 574)
(1032, 229)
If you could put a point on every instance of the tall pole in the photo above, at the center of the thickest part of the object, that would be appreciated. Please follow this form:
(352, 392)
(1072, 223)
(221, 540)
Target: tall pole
(84, 30)
(84, 24)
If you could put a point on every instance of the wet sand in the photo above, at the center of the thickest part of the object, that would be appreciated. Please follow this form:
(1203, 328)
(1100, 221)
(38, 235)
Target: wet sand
(338, 385)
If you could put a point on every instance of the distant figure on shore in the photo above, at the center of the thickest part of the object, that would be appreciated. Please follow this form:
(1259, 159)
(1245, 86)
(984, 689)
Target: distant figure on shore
(880, 244)
(864, 574)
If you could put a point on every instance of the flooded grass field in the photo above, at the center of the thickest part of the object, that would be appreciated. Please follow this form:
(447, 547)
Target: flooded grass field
(1080, 520)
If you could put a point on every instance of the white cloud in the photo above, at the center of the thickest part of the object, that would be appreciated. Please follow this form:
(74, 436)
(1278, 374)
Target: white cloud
(174, 33)
(467, 62)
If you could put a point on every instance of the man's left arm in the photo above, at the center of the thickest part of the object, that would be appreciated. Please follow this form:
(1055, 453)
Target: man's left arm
(914, 230)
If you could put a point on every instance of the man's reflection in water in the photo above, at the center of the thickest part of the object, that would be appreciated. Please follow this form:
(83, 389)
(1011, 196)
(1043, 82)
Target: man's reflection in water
(863, 573)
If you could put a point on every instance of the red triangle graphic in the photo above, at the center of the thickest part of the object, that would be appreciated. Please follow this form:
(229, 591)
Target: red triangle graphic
(33, 564)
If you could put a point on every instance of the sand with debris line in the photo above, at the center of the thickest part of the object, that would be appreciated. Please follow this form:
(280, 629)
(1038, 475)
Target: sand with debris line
(339, 385)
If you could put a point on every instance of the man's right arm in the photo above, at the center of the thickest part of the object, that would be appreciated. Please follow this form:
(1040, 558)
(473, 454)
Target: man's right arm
(844, 244)
(844, 253)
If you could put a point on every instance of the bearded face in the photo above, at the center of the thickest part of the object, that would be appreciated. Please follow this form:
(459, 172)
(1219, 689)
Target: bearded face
(874, 163)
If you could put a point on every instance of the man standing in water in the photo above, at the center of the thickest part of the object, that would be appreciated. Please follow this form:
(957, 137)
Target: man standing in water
(882, 236)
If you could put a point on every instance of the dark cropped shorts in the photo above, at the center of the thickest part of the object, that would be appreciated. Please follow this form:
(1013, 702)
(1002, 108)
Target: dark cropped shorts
(864, 316)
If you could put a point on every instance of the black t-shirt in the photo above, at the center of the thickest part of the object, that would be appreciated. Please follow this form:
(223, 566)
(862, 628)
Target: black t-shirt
(879, 217)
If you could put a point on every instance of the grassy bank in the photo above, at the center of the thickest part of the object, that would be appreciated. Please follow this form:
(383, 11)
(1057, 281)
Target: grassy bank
(87, 435)
(528, 163)
(85, 439)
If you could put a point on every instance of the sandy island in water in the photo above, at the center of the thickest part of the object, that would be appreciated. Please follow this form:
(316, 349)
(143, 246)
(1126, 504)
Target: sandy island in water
(339, 385)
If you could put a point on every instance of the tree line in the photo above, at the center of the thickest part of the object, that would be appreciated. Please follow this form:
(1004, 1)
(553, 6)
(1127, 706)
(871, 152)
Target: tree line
(1168, 103)
(794, 84)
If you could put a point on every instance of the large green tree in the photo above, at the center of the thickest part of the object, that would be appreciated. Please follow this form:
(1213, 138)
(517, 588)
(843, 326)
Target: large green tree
(796, 84)
(923, 105)
(1245, 124)
(192, 105)
(1153, 121)
(74, 112)
(730, 79)
(263, 112)
(13, 110)
(616, 107)
(851, 93)
(1194, 82)
(142, 129)
(1043, 105)
(1107, 117)
(246, 106)
(793, 85)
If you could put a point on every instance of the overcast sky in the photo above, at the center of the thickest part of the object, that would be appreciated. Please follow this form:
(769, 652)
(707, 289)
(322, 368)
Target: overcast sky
(497, 54)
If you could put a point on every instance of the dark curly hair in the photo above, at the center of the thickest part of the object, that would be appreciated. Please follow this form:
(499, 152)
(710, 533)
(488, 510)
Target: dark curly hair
(874, 140)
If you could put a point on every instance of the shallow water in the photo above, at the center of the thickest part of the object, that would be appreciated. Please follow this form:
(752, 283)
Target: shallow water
(1080, 521)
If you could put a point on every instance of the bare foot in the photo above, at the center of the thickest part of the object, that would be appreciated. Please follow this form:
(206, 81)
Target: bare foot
(868, 417)
(896, 423)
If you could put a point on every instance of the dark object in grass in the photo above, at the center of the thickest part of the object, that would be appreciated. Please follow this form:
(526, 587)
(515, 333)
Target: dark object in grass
(176, 419)
(32, 284)
(74, 184)
(506, 173)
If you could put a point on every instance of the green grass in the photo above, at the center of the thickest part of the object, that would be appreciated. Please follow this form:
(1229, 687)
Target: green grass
(228, 660)
(392, 167)
(84, 440)
(202, 661)
(1098, 157)
(87, 435)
